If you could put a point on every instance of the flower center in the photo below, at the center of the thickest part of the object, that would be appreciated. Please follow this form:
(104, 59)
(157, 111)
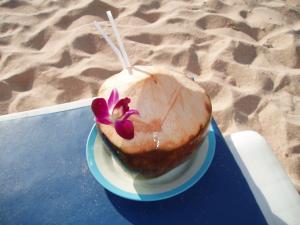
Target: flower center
(116, 114)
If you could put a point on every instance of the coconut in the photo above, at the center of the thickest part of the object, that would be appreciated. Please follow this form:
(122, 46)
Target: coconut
(174, 116)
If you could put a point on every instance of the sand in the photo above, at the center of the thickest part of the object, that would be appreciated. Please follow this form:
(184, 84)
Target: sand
(245, 53)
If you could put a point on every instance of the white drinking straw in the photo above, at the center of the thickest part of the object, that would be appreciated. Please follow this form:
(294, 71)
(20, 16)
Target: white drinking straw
(118, 37)
(110, 43)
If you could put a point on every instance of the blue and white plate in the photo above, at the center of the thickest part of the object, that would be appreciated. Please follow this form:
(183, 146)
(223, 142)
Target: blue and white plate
(110, 173)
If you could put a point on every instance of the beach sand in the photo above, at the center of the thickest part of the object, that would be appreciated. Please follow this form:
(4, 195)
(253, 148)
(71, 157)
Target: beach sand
(246, 54)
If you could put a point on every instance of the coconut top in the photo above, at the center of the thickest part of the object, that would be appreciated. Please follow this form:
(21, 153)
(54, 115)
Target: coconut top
(173, 109)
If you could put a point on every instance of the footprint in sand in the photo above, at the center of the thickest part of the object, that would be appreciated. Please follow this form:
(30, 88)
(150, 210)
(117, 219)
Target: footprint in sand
(244, 54)
(91, 8)
(220, 65)
(175, 20)
(149, 6)
(98, 73)
(5, 91)
(240, 117)
(268, 84)
(295, 149)
(38, 40)
(69, 87)
(243, 14)
(148, 17)
(88, 43)
(61, 59)
(8, 27)
(22, 81)
(188, 59)
(213, 22)
(13, 4)
(146, 38)
(247, 104)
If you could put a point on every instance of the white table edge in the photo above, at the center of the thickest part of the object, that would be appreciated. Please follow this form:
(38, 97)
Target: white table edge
(47, 109)
(271, 186)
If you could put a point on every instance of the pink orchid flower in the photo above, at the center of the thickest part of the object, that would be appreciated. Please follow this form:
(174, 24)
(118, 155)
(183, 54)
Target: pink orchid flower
(115, 112)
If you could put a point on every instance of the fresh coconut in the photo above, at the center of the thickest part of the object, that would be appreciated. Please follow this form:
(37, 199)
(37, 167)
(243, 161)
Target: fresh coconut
(174, 114)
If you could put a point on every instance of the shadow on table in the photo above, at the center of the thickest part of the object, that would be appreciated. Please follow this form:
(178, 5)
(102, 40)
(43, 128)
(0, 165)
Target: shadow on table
(166, 211)
(191, 212)
(159, 212)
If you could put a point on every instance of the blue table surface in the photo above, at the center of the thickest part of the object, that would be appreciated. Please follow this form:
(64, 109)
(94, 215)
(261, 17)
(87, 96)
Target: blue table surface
(44, 179)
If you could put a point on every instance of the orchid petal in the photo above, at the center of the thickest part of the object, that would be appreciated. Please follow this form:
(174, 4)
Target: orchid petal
(130, 112)
(100, 110)
(123, 105)
(103, 120)
(125, 129)
(113, 98)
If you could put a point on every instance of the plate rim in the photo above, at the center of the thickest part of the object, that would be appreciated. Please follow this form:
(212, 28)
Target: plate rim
(148, 197)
